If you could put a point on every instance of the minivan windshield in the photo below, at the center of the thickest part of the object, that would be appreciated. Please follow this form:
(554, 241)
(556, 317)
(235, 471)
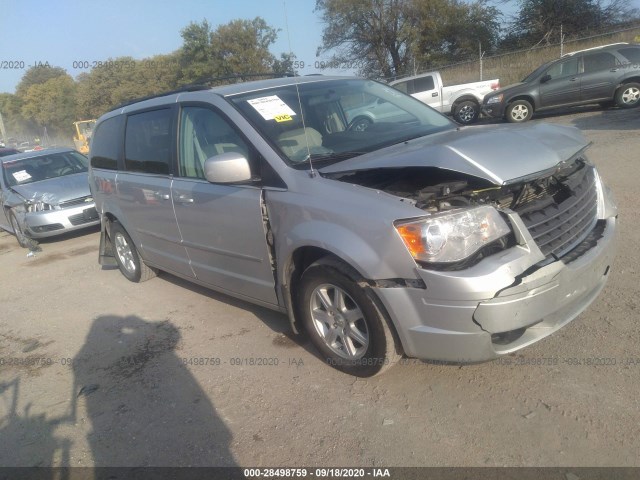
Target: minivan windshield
(333, 120)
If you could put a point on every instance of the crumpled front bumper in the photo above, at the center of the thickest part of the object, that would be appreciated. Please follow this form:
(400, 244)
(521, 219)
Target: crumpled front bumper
(55, 222)
(494, 110)
(476, 315)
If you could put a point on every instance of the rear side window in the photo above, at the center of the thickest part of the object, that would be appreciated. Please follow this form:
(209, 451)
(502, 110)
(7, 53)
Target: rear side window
(631, 54)
(105, 144)
(423, 84)
(597, 62)
(147, 145)
(402, 86)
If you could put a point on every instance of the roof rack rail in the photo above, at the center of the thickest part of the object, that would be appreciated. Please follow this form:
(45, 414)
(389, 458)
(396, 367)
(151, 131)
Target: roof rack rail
(595, 48)
(236, 76)
(202, 84)
(186, 88)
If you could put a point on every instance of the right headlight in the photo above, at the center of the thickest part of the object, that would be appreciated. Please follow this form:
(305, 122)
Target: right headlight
(495, 99)
(452, 236)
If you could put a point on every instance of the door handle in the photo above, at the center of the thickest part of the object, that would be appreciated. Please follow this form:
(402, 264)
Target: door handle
(613, 70)
(573, 79)
(184, 199)
(434, 94)
(161, 196)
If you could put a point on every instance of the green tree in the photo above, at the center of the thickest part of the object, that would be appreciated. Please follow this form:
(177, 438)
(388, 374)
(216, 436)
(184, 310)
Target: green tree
(52, 104)
(236, 48)
(375, 35)
(37, 75)
(284, 64)
(196, 56)
(122, 79)
(539, 21)
(242, 46)
(392, 37)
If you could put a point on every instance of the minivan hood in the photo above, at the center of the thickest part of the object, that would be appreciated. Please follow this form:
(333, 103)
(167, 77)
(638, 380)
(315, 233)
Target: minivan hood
(56, 190)
(497, 153)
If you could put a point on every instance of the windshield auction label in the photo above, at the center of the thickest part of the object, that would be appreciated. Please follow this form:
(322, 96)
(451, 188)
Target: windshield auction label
(272, 108)
(21, 176)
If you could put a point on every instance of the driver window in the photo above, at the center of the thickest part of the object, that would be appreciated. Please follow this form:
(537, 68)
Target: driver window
(203, 134)
(564, 69)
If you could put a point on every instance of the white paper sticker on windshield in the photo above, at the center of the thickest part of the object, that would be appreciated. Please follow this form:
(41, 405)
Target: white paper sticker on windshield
(21, 176)
(272, 108)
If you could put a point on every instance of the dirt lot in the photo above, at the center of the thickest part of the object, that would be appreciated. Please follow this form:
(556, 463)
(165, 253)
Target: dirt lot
(99, 371)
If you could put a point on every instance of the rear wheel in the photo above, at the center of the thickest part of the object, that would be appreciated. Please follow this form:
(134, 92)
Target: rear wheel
(628, 95)
(466, 112)
(344, 321)
(519, 111)
(23, 240)
(129, 262)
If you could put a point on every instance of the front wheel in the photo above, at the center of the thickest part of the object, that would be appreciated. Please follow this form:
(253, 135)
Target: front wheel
(344, 321)
(519, 111)
(23, 241)
(360, 124)
(466, 112)
(628, 95)
(129, 262)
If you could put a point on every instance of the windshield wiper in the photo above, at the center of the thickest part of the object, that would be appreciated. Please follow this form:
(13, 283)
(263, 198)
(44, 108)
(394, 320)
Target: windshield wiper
(328, 157)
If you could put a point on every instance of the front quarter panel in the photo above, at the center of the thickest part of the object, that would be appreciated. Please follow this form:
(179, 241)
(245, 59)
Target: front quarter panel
(352, 222)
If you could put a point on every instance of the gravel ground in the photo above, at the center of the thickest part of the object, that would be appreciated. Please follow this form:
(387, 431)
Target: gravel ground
(98, 371)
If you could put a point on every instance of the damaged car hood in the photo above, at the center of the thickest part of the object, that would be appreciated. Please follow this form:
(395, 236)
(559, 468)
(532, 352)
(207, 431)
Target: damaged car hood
(497, 153)
(56, 190)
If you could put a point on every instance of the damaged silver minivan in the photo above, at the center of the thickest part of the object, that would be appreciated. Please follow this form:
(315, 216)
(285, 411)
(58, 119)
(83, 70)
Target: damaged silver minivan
(410, 236)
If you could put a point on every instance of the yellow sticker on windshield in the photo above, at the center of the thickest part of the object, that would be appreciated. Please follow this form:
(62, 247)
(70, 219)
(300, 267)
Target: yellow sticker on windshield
(282, 118)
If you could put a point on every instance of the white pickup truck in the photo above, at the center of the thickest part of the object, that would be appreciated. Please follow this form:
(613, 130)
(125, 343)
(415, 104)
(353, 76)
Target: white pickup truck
(462, 101)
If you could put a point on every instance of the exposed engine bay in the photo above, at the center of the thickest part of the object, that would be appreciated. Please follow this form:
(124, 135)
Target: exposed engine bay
(435, 190)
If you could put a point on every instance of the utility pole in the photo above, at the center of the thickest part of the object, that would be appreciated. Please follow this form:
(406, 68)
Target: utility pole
(481, 54)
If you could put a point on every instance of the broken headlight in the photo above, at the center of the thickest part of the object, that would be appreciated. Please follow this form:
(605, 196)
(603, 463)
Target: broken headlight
(38, 207)
(453, 236)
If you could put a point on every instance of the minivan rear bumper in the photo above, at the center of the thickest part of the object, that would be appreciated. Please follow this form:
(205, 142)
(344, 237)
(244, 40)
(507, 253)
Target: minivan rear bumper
(518, 314)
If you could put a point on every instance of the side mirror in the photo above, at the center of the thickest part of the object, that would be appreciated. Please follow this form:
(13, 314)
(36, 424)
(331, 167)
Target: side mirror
(230, 167)
(545, 78)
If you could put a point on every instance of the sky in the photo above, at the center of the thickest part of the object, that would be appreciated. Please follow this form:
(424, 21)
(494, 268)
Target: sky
(66, 31)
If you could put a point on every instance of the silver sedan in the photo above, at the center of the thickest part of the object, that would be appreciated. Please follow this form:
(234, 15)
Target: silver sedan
(45, 193)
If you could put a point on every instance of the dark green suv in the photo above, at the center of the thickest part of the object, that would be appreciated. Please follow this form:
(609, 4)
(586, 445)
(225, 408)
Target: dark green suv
(607, 75)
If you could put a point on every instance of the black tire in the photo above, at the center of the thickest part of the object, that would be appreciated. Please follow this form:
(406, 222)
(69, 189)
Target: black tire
(23, 240)
(519, 111)
(360, 124)
(127, 257)
(354, 335)
(466, 112)
(628, 95)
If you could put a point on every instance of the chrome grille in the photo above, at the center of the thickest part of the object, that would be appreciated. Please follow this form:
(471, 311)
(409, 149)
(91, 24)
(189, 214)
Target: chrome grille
(88, 215)
(557, 226)
(76, 201)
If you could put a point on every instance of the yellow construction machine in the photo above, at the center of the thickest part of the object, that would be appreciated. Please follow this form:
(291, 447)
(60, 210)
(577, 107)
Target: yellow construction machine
(84, 129)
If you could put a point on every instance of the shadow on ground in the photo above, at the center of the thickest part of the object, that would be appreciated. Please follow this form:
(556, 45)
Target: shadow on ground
(143, 406)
